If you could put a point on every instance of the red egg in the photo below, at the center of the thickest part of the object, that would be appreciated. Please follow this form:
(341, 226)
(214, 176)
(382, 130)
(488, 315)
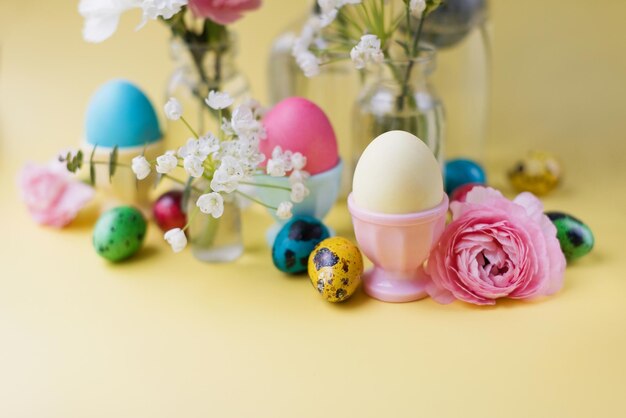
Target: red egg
(299, 125)
(168, 212)
(461, 192)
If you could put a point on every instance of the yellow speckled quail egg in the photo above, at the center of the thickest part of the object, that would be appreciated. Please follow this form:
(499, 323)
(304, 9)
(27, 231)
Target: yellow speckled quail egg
(335, 268)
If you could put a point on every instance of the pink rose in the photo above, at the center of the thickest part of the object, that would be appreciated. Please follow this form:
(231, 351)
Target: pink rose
(52, 194)
(496, 248)
(222, 11)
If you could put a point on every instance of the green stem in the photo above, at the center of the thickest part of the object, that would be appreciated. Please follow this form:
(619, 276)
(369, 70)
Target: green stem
(247, 196)
(409, 68)
(195, 134)
(268, 186)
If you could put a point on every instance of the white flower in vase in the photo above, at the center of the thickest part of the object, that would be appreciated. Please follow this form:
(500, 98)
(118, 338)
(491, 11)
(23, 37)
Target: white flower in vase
(173, 109)
(417, 7)
(368, 49)
(218, 101)
(141, 167)
(102, 17)
(298, 192)
(298, 161)
(193, 166)
(308, 62)
(284, 210)
(211, 204)
(176, 239)
(153, 9)
(298, 176)
(166, 163)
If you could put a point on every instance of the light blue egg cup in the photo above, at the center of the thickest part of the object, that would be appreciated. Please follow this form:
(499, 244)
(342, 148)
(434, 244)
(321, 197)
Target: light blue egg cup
(324, 190)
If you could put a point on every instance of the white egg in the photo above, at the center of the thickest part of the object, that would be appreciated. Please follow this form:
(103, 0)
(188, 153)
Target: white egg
(397, 174)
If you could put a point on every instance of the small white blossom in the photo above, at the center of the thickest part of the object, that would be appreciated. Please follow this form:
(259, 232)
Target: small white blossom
(298, 161)
(193, 166)
(198, 148)
(217, 100)
(102, 17)
(417, 7)
(153, 9)
(276, 167)
(298, 176)
(330, 8)
(166, 162)
(368, 49)
(207, 145)
(173, 109)
(308, 62)
(221, 182)
(298, 192)
(211, 204)
(245, 124)
(284, 210)
(176, 238)
(141, 167)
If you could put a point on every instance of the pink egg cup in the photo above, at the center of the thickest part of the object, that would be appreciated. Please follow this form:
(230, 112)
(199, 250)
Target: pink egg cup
(397, 245)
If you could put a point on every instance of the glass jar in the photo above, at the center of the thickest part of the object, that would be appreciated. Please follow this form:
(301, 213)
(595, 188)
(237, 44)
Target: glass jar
(460, 31)
(215, 240)
(198, 69)
(397, 95)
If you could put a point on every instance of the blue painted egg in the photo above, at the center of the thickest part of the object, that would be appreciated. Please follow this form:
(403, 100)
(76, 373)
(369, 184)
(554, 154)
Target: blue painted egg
(461, 171)
(295, 242)
(119, 113)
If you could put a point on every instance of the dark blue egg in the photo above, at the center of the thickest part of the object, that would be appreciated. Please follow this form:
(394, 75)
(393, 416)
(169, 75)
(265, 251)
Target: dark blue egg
(295, 242)
(453, 20)
(460, 171)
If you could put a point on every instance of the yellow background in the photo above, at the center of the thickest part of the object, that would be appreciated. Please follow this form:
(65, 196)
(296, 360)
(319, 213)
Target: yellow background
(167, 336)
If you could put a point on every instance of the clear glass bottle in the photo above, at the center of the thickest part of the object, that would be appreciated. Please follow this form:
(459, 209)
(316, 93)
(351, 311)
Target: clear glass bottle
(199, 68)
(398, 95)
(333, 90)
(460, 31)
(215, 240)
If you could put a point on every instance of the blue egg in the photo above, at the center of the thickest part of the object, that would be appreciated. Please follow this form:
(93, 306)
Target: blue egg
(295, 242)
(119, 113)
(460, 171)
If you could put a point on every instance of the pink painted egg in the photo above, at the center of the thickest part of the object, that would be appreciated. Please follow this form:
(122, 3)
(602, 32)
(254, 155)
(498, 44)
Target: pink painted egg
(459, 194)
(299, 125)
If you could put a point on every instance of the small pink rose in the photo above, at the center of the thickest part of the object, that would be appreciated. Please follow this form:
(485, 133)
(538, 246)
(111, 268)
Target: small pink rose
(496, 248)
(222, 11)
(53, 196)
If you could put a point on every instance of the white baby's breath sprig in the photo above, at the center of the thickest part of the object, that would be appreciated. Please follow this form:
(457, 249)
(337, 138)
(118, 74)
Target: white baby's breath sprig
(218, 101)
(298, 192)
(284, 210)
(193, 166)
(176, 238)
(367, 50)
(211, 204)
(417, 8)
(173, 109)
(166, 163)
(141, 167)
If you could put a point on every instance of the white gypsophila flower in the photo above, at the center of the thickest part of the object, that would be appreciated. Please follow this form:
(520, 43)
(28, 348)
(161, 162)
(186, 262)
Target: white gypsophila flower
(193, 166)
(217, 100)
(227, 128)
(198, 148)
(298, 161)
(207, 145)
(166, 162)
(368, 49)
(284, 210)
(102, 17)
(257, 109)
(176, 239)
(298, 192)
(330, 8)
(153, 9)
(231, 167)
(417, 7)
(276, 167)
(245, 124)
(308, 62)
(141, 167)
(298, 176)
(211, 204)
(221, 182)
(173, 109)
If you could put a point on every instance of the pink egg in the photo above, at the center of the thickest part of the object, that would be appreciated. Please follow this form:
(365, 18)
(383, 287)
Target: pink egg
(461, 192)
(299, 125)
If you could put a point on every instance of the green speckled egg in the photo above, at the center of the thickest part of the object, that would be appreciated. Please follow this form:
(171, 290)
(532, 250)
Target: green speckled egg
(575, 237)
(119, 233)
(335, 268)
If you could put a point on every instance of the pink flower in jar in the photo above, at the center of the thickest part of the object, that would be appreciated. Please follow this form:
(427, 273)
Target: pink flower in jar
(496, 248)
(222, 11)
(52, 195)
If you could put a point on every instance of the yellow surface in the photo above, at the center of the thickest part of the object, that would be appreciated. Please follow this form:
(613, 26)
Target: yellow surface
(166, 336)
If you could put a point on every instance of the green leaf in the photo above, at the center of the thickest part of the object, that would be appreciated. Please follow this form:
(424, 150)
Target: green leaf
(92, 166)
(112, 162)
(79, 159)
